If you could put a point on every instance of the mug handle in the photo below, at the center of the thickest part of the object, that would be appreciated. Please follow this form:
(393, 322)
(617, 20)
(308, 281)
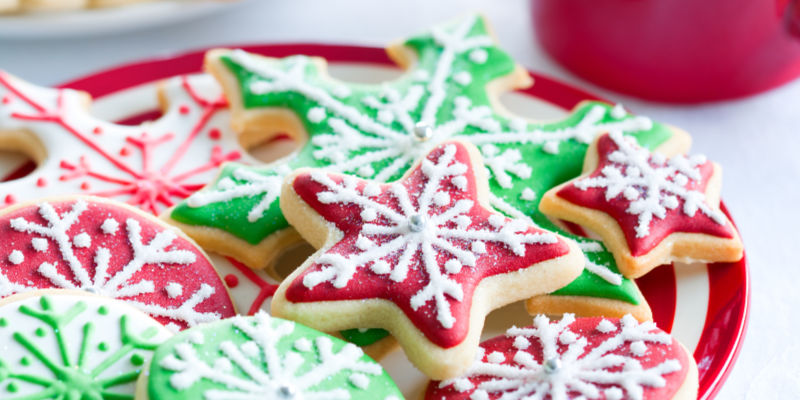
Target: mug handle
(791, 18)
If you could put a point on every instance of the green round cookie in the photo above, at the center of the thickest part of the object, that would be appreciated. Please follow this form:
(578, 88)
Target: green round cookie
(261, 357)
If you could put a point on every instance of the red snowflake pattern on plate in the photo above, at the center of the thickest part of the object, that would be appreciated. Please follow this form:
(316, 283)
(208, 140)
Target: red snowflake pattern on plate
(592, 358)
(114, 251)
(424, 242)
(147, 166)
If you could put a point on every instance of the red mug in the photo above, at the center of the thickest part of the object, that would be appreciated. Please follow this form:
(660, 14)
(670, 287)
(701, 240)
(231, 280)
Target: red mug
(674, 50)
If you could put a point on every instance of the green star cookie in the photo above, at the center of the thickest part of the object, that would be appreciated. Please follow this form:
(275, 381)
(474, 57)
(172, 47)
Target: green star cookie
(455, 73)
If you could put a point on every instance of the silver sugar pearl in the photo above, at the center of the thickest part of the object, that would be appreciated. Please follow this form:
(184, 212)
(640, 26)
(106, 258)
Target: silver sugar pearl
(90, 290)
(423, 131)
(552, 365)
(287, 392)
(416, 223)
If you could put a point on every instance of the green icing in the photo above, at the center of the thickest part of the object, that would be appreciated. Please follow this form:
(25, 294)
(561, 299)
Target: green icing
(74, 374)
(364, 338)
(259, 357)
(520, 155)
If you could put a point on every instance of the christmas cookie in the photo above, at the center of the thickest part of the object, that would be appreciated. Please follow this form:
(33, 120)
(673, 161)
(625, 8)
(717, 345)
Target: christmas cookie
(649, 209)
(455, 74)
(587, 358)
(260, 357)
(425, 257)
(112, 250)
(148, 166)
(60, 344)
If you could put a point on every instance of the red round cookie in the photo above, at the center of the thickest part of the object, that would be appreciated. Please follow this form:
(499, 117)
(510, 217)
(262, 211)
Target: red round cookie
(597, 358)
(111, 250)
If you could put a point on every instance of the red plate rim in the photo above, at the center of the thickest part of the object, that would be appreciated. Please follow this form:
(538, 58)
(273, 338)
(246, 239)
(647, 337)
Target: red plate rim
(729, 283)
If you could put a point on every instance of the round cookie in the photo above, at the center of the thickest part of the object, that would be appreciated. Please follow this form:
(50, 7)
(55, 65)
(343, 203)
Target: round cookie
(59, 344)
(113, 250)
(591, 358)
(261, 357)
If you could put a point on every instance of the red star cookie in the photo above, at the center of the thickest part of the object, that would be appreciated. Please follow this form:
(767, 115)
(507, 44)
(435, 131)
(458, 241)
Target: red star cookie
(648, 209)
(424, 257)
(587, 358)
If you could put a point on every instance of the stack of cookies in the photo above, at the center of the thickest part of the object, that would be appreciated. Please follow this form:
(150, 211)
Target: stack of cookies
(428, 204)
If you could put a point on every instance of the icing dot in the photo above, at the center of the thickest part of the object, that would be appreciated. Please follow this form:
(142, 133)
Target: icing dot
(638, 348)
(109, 226)
(25, 361)
(39, 332)
(174, 289)
(12, 387)
(184, 109)
(521, 343)
(478, 247)
(231, 280)
(41, 182)
(102, 346)
(3, 322)
(568, 337)
(528, 195)
(460, 182)
(452, 266)
(495, 357)
(606, 326)
(6, 99)
(618, 112)
(214, 133)
(369, 214)
(137, 360)
(463, 78)
(423, 131)
(85, 186)
(496, 220)
(316, 114)
(102, 310)
(441, 199)
(302, 344)
(97, 130)
(124, 151)
(613, 393)
(16, 257)
(359, 380)
(10, 199)
(381, 267)
(82, 240)
(364, 243)
(478, 56)
(551, 147)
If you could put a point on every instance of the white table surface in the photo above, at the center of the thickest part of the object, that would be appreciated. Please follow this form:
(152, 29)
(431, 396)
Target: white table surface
(755, 139)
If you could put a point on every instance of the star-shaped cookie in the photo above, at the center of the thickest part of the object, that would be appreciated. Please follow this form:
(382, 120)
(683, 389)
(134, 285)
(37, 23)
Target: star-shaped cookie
(425, 257)
(649, 209)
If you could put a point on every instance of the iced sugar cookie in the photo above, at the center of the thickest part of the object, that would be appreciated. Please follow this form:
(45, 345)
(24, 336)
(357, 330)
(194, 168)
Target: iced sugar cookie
(260, 357)
(425, 257)
(59, 344)
(112, 250)
(455, 73)
(149, 166)
(587, 358)
(649, 209)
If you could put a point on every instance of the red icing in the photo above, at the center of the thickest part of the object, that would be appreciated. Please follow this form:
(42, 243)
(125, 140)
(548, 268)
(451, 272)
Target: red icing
(152, 186)
(584, 328)
(10, 199)
(214, 133)
(190, 276)
(365, 284)
(265, 289)
(675, 221)
(41, 182)
(231, 280)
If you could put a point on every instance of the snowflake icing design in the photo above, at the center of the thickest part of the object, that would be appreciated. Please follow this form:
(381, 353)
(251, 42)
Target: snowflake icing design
(91, 362)
(91, 156)
(568, 366)
(270, 370)
(414, 224)
(122, 284)
(652, 184)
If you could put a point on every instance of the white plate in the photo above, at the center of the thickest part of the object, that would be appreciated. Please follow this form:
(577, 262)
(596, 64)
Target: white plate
(45, 25)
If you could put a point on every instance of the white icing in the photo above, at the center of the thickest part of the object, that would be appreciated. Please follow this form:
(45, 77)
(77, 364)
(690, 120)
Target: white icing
(82, 240)
(407, 246)
(124, 283)
(316, 115)
(528, 194)
(618, 112)
(606, 326)
(651, 189)
(462, 78)
(269, 364)
(478, 56)
(582, 370)
(109, 226)
(174, 290)
(16, 257)
(106, 328)
(39, 244)
(154, 174)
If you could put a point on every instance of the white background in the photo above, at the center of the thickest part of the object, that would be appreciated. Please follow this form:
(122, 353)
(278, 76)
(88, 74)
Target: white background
(755, 139)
